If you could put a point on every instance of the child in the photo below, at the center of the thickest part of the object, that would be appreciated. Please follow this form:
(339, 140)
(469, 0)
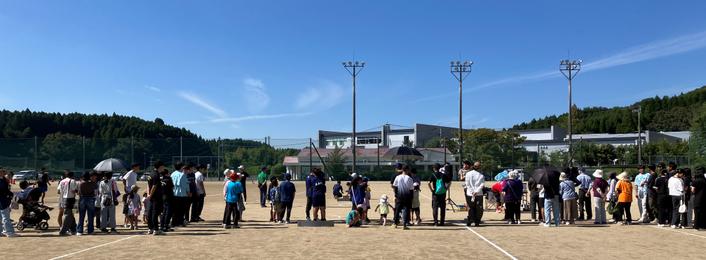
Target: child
(337, 190)
(355, 217)
(273, 195)
(367, 200)
(145, 205)
(134, 205)
(384, 208)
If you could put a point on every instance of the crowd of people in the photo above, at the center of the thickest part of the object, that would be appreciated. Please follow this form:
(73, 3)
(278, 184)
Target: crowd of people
(666, 196)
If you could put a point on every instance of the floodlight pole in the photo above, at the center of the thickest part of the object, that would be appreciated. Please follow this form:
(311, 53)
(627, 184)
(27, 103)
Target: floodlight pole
(460, 71)
(570, 68)
(354, 68)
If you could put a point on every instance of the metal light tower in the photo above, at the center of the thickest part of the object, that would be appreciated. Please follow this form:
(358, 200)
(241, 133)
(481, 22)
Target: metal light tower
(460, 70)
(354, 68)
(570, 68)
(639, 134)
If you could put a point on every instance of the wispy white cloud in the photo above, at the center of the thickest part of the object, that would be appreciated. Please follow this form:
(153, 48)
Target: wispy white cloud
(153, 88)
(256, 97)
(324, 96)
(640, 53)
(235, 120)
(196, 100)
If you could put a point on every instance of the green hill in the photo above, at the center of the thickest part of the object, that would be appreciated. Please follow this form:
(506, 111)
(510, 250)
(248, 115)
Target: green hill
(666, 113)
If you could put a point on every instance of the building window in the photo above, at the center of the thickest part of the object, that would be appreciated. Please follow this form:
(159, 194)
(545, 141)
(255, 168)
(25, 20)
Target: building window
(369, 140)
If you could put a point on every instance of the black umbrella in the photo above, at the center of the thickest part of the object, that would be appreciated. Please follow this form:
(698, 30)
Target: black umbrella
(540, 176)
(403, 153)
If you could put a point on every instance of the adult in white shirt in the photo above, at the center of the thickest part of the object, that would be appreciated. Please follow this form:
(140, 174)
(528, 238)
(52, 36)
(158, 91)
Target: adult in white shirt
(200, 192)
(68, 189)
(475, 182)
(404, 190)
(676, 191)
(130, 178)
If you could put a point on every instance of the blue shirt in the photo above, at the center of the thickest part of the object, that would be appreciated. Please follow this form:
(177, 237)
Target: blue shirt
(641, 179)
(181, 184)
(567, 190)
(584, 181)
(310, 182)
(286, 191)
(233, 191)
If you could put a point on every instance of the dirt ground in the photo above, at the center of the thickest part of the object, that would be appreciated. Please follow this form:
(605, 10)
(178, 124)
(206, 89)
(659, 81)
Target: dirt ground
(259, 238)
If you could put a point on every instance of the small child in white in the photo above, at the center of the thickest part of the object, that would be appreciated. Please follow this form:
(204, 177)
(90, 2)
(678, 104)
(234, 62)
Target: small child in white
(384, 208)
(134, 204)
(145, 206)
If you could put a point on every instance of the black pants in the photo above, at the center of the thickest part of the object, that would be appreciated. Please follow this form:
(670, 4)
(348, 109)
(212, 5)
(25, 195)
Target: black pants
(197, 207)
(286, 208)
(664, 204)
(263, 194)
(678, 218)
(438, 207)
(535, 206)
(513, 211)
(308, 206)
(153, 213)
(187, 208)
(97, 214)
(245, 191)
(403, 205)
(624, 209)
(585, 204)
(475, 209)
(699, 218)
(231, 213)
(652, 205)
(167, 214)
(69, 222)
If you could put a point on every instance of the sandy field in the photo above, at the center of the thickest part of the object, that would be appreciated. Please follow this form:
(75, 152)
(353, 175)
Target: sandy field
(259, 238)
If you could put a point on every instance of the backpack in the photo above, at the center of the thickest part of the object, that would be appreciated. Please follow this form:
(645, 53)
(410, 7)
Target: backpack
(440, 186)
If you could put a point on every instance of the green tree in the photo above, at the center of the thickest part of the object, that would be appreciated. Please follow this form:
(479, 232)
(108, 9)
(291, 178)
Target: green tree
(697, 142)
(335, 163)
(60, 146)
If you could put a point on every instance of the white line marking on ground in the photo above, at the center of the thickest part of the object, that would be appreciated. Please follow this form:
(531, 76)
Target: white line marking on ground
(489, 242)
(91, 248)
(685, 233)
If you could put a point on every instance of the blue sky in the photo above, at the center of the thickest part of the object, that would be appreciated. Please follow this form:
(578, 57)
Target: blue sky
(273, 68)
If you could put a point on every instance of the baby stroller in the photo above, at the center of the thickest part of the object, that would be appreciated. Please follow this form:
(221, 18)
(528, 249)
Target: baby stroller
(34, 214)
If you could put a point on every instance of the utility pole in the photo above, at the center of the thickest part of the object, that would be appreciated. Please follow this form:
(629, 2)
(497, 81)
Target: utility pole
(570, 68)
(354, 68)
(639, 134)
(460, 70)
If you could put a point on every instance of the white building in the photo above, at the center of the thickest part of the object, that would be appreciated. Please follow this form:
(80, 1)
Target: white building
(386, 137)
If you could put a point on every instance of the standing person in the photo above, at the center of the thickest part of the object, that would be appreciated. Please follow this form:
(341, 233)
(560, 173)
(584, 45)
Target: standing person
(274, 197)
(231, 194)
(613, 196)
(599, 188)
(438, 185)
(155, 195)
(107, 190)
(404, 189)
(384, 207)
(182, 193)
(243, 180)
(624, 190)
(475, 182)
(68, 188)
(86, 202)
(415, 196)
(676, 191)
(129, 179)
(584, 195)
(287, 192)
(688, 198)
(698, 190)
(650, 216)
(664, 201)
(262, 185)
(134, 203)
(309, 185)
(551, 198)
(568, 194)
(641, 195)
(191, 199)
(513, 191)
(5, 200)
(318, 195)
(536, 204)
(169, 201)
(43, 183)
(200, 196)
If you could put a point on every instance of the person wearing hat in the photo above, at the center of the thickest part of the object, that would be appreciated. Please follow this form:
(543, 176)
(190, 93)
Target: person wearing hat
(287, 192)
(584, 195)
(262, 185)
(513, 192)
(231, 194)
(568, 194)
(625, 192)
(599, 190)
(244, 175)
(641, 196)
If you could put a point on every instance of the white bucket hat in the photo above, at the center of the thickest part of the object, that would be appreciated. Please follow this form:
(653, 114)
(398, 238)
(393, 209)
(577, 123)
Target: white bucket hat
(598, 174)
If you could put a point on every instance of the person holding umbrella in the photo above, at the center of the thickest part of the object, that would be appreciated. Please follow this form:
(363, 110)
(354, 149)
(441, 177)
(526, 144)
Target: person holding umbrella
(549, 179)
